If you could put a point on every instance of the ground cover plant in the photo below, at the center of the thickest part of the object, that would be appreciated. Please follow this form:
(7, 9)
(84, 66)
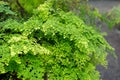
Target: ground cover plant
(52, 44)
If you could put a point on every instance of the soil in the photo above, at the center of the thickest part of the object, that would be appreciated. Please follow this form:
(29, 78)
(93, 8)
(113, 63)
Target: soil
(113, 38)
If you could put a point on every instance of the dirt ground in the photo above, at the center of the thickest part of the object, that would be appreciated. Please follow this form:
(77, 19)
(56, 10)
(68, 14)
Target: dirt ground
(113, 38)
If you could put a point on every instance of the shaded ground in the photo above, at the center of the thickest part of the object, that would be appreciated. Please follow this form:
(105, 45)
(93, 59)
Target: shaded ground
(113, 37)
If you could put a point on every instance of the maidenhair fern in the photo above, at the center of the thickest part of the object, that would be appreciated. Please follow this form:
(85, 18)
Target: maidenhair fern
(52, 44)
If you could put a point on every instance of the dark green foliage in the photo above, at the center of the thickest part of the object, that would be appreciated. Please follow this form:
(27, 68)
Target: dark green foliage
(24, 8)
(5, 11)
(51, 44)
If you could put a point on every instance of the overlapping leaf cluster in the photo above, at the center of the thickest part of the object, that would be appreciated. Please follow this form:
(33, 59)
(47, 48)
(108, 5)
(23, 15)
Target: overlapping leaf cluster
(5, 11)
(54, 43)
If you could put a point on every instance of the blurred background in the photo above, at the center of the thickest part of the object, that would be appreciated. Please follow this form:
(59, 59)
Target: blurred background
(113, 37)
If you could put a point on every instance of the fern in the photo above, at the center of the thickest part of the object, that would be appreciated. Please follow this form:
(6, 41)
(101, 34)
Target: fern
(52, 44)
(5, 11)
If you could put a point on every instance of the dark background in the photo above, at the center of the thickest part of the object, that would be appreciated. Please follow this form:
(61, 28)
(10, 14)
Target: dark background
(113, 38)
